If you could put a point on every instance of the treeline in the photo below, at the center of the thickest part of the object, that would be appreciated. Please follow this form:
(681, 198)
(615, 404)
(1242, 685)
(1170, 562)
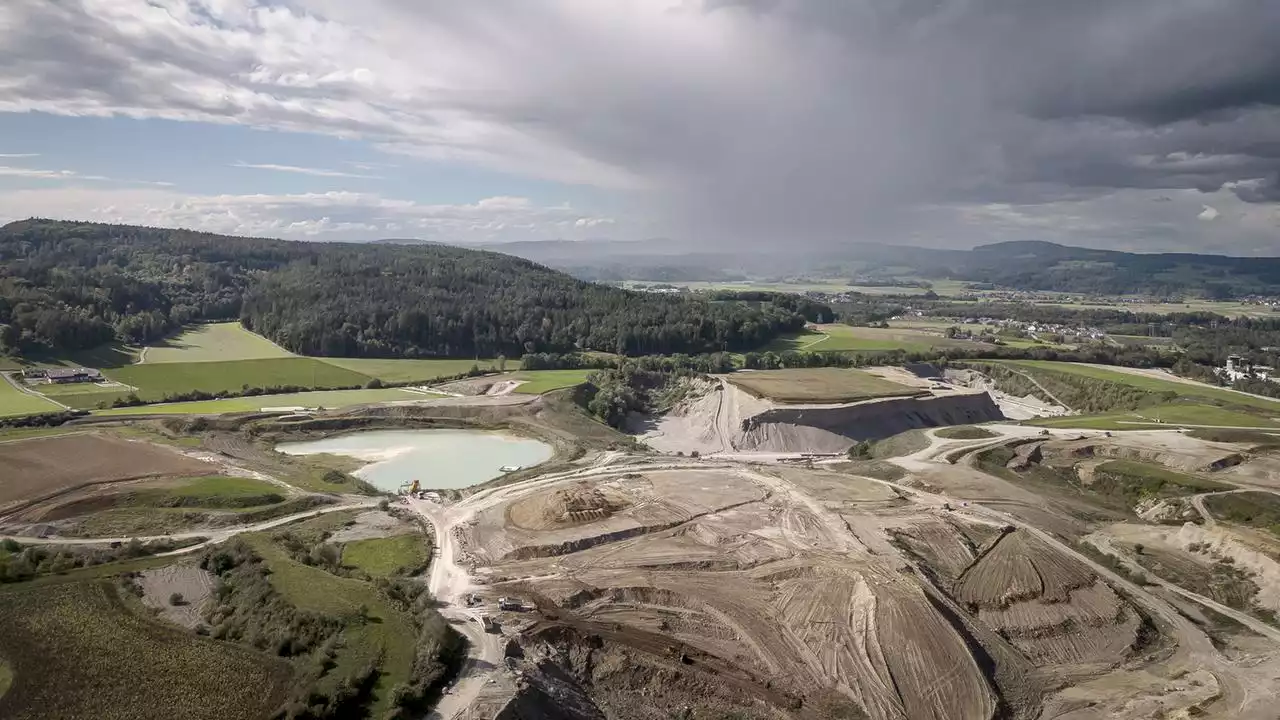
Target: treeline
(1077, 392)
(19, 563)
(810, 309)
(69, 286)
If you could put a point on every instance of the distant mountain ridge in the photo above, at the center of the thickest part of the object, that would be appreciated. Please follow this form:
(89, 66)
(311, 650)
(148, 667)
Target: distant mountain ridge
(1020, 265)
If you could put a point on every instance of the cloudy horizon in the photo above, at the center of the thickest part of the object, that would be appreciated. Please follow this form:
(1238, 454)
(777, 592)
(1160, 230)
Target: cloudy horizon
(1144, 125)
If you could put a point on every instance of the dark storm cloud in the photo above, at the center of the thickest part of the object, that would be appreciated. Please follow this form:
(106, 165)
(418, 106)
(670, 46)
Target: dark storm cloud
(728, 121)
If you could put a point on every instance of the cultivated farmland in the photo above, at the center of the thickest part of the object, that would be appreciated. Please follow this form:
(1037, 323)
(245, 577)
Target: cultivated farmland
(537, 382)
(403, 371)
(320, 398)
(43, 467)
(78, 652)
(849, 338)
(819, 385)
(215, 342)
(157, 381)
(14, 402)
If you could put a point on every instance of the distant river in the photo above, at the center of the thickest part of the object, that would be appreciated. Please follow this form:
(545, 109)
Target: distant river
(436, 458)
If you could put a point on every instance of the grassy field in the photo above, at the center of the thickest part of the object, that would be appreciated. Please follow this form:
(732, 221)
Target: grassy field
(215, 342)
(1225, 308)
(1255, 509)
(403, 371)
(321, 398)
(828, 285)
(1252, 437)
(848, 338)
(14, 402)
(78, 651)
(1153, 384)
(537, 382)
(388, 638)
(217, 492)
(155, 381)
(1137, 481)
(158, 380)
(1179, 414)
(384, 557)
(818, 385)
(964, 432)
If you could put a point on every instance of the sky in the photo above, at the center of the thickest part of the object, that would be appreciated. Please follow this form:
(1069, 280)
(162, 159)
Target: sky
(1146, 125)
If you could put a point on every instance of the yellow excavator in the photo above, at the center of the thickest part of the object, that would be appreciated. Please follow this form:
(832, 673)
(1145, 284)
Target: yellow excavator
(413, 489)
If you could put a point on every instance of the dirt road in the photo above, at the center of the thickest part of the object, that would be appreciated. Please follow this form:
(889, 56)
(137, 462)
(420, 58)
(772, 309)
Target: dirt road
(213, 536)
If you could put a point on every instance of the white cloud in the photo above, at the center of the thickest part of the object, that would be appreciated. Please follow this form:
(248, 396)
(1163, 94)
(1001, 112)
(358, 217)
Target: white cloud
(1209, 213)
(315, 172)
(69, 175)
(337, 215)
(15, 156)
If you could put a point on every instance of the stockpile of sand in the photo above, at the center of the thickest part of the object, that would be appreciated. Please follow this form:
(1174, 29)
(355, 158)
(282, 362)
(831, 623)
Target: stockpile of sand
(835, 428)
(884, 640)
(1051, 607)
(566, 507)
(723, 418)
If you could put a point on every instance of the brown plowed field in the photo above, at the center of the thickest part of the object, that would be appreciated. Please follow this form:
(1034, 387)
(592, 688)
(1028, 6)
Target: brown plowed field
(42, 467)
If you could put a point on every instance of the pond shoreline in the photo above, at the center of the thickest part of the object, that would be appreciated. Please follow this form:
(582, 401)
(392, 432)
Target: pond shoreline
(446, 459)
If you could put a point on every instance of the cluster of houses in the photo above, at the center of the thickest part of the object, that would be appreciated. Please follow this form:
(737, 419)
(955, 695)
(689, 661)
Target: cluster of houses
(59, 376)
(1069, 333)
(1238, 368)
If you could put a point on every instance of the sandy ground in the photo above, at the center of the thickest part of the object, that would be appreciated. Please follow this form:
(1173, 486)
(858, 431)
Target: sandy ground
(195, 586)
(1013, 407)
(1253, 552)
(372, 524)
(818, 579)
(723, 584)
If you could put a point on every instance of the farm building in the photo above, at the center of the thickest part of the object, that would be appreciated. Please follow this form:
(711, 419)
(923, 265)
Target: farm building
(73, 375)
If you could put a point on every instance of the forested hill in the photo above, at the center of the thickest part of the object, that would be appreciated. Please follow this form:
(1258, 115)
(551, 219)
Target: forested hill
(67, 286)
(1023, 265)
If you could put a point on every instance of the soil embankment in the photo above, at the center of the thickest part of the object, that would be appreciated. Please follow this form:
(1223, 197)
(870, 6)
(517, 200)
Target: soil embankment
(726, 419)
(836, 429)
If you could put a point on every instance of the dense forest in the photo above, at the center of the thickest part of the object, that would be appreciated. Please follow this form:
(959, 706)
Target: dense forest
(67, 286)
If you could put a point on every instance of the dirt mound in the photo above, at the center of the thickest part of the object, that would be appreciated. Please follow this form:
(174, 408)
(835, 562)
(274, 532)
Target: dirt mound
(835, 429)
(566, 507)
(1016, 568)
(1049, 606)
(1171, 450)
(727, 419)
